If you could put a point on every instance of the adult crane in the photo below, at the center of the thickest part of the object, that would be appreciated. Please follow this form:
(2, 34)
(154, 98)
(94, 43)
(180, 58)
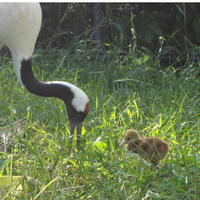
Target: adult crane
(19, 28)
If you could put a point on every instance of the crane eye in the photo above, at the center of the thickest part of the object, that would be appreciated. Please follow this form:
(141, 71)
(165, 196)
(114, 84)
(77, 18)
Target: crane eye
(129, 138)
(80, 113)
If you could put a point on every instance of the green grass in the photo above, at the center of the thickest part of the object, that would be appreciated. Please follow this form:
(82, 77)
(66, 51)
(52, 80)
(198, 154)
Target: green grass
(125, 92)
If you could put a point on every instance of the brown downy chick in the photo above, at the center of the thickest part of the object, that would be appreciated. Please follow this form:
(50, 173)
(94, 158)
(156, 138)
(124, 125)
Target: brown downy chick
(149, 148)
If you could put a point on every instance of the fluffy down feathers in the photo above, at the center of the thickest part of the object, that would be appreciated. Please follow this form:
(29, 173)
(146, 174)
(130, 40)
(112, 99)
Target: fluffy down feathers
(149, 148)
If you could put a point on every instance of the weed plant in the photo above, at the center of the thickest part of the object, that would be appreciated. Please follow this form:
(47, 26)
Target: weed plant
(126, 91)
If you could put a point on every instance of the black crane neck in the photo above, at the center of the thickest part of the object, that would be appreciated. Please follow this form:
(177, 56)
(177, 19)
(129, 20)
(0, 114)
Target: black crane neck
(44, 89)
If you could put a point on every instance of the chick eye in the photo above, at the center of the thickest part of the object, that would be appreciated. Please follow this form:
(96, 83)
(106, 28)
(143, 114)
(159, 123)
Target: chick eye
(129, 138)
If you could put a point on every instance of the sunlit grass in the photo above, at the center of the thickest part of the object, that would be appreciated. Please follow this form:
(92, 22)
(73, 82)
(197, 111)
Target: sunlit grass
(124, 94)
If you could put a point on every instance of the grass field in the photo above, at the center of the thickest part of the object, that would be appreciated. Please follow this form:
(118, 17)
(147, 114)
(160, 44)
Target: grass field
(125, 92)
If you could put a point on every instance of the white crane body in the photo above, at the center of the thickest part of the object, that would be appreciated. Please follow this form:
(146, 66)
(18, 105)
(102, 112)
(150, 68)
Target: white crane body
(19, 30)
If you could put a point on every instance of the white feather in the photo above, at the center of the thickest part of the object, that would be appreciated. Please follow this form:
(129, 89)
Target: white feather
(80, 98)
(19, 27)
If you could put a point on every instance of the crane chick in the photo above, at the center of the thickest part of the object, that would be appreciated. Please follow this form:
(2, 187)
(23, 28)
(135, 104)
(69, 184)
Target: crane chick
(149, 148)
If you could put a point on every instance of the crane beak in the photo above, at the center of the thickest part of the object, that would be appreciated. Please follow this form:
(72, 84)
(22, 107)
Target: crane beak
(72, 126)
(79, 131)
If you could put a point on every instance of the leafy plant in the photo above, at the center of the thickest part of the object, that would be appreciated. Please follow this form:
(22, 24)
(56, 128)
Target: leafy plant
(128, 90)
